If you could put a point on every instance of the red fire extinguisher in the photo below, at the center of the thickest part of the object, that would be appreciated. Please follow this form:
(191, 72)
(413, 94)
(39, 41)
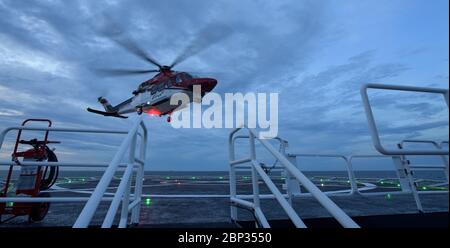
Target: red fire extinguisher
(32, 179)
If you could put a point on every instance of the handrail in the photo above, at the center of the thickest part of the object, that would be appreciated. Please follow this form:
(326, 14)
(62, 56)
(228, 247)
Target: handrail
(350, 170)
(348, 164)
(435, 144)
(91, 206)
(60, 164)
(54, 129)
(108, 221)
(374, 130)
(133, 165)
(280, 198)
(323, 199)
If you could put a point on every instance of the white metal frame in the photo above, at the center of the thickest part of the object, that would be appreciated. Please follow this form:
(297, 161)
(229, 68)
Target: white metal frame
(400, 153)
(373, 128)
(437, 146)
(238, 164)
(121, 197)
(348, 166)
(257, 172)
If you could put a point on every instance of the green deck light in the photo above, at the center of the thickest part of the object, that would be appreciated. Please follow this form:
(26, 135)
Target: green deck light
(10, 204)
(167, 177)
(194, 178)
(388, 196)
(424, 188)
(398, 185)
(148, 201)
(321, 184)
(220, 178)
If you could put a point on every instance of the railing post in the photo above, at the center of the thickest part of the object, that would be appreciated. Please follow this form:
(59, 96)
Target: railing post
(232, 177)
(435, 144)
(292, 185)
(255, 176)
(444, 157)
(120, 192)
(401, 173)
(406, 179)
(126, 197)
(135, 214)
(89, 209)
(351, 175)
(125, 202)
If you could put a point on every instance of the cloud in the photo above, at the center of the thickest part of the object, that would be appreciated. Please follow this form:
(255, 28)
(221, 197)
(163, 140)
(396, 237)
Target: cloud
(305, 50)
(9, 112)
(13, 96)
(14, 56)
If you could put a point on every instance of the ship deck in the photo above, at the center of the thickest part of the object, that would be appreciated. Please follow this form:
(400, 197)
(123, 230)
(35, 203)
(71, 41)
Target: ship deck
(206, 204)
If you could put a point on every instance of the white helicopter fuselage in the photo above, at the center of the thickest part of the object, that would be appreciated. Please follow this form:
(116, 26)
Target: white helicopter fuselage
(154, 98)
(147, 100)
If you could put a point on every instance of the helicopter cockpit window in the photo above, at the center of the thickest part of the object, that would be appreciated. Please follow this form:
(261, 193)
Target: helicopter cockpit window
(149, 88)
(178, 79)
(160, 86)
(186, 76)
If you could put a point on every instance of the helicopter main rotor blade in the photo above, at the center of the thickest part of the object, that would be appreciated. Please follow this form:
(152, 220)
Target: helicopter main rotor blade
(113, 31)
(132, 47)
(208, 36)
(121, 72)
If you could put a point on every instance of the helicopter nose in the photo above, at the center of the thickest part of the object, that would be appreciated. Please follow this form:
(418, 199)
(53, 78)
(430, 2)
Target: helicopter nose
(207, 84)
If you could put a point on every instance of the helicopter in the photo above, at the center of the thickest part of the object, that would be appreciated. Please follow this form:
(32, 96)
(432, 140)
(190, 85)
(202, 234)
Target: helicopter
(153, 96)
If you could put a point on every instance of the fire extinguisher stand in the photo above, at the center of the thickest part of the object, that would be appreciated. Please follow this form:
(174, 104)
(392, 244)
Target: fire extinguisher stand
(30, 179)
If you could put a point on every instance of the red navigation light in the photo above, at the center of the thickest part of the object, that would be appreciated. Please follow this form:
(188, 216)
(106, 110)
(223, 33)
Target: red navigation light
(153, 112)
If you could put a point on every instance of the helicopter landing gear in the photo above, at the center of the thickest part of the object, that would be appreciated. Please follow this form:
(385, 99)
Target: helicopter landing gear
(139, 110)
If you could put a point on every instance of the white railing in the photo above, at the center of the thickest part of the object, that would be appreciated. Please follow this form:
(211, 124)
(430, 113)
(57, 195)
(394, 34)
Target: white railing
(353, 180)
(257, 171)
(255, 166)
(348, 167)
(122, 195)
(436, 145)
(374, 130)
(401, 153)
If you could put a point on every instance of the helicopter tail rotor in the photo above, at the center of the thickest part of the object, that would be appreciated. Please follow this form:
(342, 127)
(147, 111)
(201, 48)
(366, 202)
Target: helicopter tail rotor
(108, 107)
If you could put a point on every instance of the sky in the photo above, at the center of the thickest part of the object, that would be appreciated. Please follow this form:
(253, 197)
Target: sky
(315, 54)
